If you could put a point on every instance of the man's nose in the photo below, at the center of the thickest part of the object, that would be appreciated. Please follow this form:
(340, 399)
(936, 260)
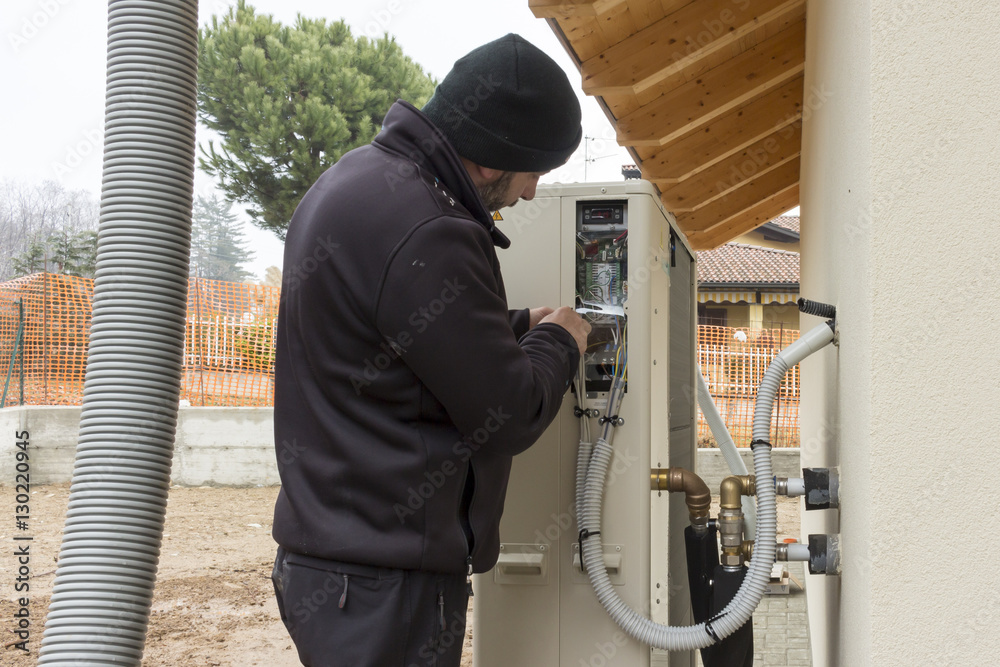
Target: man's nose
(529, 192)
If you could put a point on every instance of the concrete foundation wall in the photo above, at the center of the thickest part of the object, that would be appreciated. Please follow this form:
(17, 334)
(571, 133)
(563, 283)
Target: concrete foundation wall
(214, 446)
(229, 447)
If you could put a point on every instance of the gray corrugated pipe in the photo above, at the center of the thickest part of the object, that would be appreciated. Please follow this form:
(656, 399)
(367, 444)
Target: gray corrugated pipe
(114, 526)
(726, 445)
(737, 612)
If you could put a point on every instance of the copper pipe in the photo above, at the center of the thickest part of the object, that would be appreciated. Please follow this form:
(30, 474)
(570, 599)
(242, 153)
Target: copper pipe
(697, 495)
(733, 488)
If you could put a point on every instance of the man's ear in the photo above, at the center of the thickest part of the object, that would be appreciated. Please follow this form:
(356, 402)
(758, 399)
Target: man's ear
(481, 175)
(489, 175)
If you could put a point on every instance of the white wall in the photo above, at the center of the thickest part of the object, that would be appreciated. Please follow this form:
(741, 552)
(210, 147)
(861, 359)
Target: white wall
(900, 230)
(213, 447)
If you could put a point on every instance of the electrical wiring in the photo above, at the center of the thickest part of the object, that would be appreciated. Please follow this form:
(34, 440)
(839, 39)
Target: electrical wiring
(624, 348)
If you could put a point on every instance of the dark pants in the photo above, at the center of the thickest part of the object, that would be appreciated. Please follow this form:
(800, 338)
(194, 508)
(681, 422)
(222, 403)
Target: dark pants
(357, 616)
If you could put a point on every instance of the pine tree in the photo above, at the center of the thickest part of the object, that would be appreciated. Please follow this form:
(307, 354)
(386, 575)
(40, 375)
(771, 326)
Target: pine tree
(288, 102)
(73, 254)
(65, 252)
(218, 246)
(32, 260)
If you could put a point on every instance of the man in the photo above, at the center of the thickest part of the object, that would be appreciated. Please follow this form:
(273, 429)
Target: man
(403, 384)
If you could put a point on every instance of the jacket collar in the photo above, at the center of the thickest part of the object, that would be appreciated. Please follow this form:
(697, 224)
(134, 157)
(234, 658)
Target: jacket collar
(410, 134)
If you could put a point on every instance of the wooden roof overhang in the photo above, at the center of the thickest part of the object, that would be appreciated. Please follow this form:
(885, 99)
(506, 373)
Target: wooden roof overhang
(707, 95)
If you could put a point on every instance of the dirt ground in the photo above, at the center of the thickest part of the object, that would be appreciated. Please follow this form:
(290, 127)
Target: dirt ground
(213, 602)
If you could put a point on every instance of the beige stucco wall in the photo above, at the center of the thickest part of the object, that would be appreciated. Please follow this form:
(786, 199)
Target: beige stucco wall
(900, 192)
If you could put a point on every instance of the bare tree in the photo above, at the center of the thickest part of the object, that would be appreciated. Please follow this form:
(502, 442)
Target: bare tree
(31, 215)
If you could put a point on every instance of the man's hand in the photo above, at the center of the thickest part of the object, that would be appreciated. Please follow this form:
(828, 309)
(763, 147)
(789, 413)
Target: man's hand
(535, 315)
(567, 318)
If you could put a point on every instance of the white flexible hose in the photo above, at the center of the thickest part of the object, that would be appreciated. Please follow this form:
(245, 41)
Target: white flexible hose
(726, 445)
(740, 609)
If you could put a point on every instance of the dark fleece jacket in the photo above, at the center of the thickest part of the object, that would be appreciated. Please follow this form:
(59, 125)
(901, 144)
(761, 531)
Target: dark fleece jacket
(403, 385)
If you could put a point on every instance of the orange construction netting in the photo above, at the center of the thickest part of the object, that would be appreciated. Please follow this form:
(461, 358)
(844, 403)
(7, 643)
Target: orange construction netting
(733, 361)
(230, 342)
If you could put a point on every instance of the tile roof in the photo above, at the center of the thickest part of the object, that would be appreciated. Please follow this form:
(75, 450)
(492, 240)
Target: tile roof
(742, 264)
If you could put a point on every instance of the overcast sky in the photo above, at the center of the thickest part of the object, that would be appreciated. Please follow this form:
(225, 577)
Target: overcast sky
(54, 53)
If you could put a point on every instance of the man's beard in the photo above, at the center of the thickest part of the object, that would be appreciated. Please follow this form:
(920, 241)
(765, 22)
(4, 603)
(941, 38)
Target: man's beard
(494, 195)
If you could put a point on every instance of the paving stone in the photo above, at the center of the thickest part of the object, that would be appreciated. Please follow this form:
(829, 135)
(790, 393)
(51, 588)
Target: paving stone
(777, 621)
(798, 654)
(775, 658)
(796, 631)
(777, 603)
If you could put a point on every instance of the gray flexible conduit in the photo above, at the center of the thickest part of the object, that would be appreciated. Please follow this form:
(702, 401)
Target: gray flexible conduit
(103, 589)
(741, 608)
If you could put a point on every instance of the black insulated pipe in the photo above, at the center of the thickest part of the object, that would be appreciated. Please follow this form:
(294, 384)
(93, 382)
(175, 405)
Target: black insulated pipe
(712, 588)
(736, 650)
(816, 308)
(100, 605)
(702, 553)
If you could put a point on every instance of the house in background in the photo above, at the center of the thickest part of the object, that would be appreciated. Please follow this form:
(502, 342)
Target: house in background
(752, 281)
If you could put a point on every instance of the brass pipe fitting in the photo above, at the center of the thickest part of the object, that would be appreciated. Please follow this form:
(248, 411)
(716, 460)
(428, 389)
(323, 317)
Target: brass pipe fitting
(697, 495)
(733, 488)
(746, 549)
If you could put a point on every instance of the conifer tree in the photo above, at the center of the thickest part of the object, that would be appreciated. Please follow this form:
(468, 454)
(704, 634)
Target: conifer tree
(288, 102)
(218, 247)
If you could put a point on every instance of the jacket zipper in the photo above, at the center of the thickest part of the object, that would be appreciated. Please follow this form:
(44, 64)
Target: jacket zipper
(472, 531)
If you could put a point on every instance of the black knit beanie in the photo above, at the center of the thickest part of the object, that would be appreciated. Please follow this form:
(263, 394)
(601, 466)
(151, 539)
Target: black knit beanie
(508, 106)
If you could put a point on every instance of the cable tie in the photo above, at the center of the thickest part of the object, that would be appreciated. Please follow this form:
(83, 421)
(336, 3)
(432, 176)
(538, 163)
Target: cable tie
(584, 534)
(614, 420)
(759, 442)
(711, 631)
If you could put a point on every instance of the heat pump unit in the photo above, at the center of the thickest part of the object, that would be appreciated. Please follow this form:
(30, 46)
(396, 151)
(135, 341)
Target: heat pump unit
(612, 251)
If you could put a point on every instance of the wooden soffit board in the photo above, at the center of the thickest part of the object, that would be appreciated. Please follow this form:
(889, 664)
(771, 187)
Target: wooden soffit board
(707, 95)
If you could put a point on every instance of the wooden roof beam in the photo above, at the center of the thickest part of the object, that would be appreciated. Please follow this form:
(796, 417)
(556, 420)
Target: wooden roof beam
(726, 136)
(750, 192)
(732, 84)
(559, 9)
(678, 41)
(743, 222)
(726, 175)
